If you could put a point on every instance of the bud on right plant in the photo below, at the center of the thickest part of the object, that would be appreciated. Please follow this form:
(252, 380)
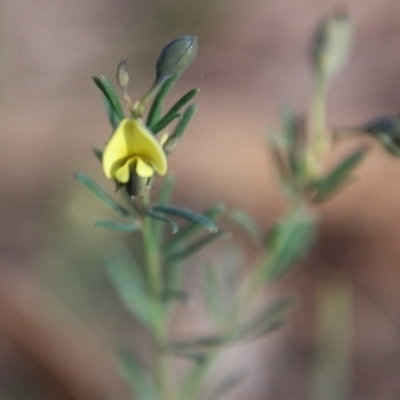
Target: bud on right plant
(331, 45)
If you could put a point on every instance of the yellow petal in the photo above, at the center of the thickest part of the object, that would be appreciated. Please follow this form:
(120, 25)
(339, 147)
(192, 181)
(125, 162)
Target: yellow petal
(133, 138)
(122, 173)
(143, 169)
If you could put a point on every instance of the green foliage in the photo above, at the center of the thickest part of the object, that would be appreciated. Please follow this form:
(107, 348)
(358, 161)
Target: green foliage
(173, 112)
(150, 282)
(290, 240)
(101, 194)
(340, 176)
(186, 214)
(118, 226)
(113, 103)
(156, 107)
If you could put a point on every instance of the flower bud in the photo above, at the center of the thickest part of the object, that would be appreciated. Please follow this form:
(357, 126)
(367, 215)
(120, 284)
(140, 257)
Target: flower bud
(170, 144)
(122, 75)
(176, 57)
(331, 44)
(387, 131)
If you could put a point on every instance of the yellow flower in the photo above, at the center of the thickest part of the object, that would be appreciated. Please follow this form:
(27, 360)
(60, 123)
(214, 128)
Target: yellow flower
(133, 150)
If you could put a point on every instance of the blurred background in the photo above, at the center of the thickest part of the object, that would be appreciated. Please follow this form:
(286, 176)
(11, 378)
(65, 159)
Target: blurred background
(59, 318)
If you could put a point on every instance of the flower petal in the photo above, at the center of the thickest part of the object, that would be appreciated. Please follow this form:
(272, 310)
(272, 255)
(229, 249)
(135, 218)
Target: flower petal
(122, 174)
(143, 169)
(133, 138)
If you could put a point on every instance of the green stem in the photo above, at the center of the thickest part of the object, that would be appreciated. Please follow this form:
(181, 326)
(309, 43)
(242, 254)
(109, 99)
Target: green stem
(152, 258)
(138, 109)
(161, 366)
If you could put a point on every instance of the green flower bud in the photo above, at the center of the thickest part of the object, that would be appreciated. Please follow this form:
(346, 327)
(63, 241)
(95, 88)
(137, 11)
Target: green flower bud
(122, 75)
(176, 57)
(387, 131)
(331, 44)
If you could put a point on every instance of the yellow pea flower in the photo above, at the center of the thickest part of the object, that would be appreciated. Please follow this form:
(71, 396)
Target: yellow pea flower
(133, 152)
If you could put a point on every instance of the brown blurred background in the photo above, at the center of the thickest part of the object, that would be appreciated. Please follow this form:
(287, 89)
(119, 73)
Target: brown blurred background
(59, 318)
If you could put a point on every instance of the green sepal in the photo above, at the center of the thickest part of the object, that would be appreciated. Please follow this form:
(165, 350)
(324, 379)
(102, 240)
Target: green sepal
(186, 214)
(174, 111)
(150, 212)
(326, 187)
(101, 194)
(195, 247)
(112, 115)
(191, 229)
(118, 226)
(106, 87)
(156, 107)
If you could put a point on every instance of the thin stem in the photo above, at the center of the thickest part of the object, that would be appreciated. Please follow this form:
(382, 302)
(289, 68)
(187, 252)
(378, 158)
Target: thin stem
(161, 366)
(138, 109)
(152, 257)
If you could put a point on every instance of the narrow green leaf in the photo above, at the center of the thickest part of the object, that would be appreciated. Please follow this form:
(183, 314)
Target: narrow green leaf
(106, 87)
(204, 341)
(135, 372)
(164, 122)
(112, 115)
(128, 281)
(191, 229)
(227, 385)
(158, 217)
(156, 107)
(118, 226)
(197, 357)
(103, 196)
(328, 186)
(188, 215)
(178, 295)
(174, 110)
(184, 122)
(247, 223)
(291, 240)
(270, 318)
(195, 247)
